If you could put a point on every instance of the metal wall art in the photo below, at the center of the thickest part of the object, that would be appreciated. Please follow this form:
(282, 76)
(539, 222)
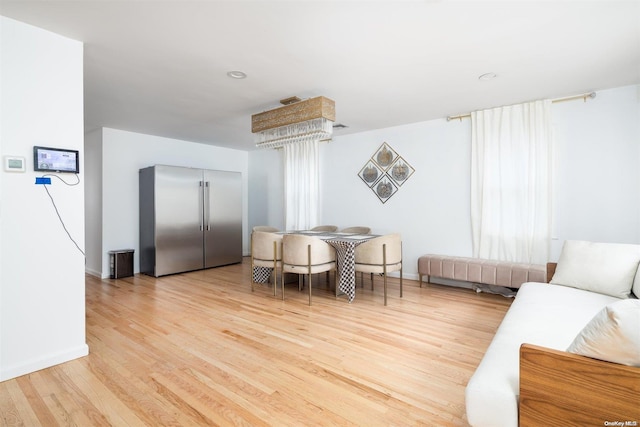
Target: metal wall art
(385, 172)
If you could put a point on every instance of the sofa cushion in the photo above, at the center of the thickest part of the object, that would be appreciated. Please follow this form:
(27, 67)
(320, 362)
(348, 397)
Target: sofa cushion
(606, 268)
(492, 392)
(612, 335)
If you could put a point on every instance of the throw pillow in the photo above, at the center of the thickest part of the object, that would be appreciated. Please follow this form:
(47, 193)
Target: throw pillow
(612, 335)
(605, 268)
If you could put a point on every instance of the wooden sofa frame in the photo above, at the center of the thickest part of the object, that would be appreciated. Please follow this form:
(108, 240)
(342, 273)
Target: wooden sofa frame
(560, 388)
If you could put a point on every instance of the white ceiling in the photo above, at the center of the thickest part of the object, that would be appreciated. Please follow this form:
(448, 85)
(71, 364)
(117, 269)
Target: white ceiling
(160, 67)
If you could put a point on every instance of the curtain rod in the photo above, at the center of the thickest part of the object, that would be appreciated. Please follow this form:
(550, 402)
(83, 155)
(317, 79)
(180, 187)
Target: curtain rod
(584, 96)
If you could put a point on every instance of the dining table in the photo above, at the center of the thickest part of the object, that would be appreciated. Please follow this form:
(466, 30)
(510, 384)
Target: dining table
(345, 245)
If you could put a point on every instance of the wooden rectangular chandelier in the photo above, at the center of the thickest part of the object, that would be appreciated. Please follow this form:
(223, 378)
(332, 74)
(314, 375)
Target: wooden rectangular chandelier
(297, 121)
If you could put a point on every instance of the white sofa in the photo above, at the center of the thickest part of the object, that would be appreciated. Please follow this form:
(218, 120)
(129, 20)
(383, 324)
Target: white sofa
(589, 278)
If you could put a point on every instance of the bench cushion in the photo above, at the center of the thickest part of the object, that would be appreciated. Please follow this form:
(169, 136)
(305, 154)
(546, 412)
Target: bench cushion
(475, 270)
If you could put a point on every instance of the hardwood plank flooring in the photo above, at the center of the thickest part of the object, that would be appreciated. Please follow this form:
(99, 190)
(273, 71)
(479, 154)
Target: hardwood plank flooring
(200, 348)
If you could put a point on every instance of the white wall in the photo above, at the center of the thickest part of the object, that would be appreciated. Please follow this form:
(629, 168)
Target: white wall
(42, 315)
(266, 188)
(597, 186)
(93, 201)
(123, 155)
(430, 210)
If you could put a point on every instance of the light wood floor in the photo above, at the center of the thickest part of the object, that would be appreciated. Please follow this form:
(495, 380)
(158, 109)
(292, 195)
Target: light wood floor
(201, 349)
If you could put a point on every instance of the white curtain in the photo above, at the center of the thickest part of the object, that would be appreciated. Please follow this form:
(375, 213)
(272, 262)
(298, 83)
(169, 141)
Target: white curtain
(301, 184)
(511, 171)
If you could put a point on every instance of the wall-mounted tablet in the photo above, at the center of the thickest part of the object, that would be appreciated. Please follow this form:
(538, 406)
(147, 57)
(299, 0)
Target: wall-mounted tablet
(47, 159)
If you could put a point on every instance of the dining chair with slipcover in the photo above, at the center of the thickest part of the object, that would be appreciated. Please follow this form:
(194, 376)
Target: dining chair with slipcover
(380, 255)
(357, 230)
(265, 228)
(266, 252)
(306, 255)
(325, 228)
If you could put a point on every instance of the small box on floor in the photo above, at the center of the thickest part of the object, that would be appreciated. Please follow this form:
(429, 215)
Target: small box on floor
(121, 263)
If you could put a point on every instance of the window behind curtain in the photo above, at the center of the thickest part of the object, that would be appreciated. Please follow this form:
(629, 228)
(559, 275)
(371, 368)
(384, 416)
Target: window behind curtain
(511, 182)
(301, 184)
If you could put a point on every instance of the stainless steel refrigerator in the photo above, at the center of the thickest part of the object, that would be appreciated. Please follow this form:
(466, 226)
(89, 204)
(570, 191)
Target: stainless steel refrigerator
(190, 219)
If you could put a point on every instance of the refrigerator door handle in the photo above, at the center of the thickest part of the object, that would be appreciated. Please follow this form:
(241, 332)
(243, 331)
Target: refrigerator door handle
(207, 204)
(201, 203)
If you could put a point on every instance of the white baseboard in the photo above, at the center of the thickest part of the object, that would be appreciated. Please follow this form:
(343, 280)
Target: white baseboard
(43, 362)
(93, 272)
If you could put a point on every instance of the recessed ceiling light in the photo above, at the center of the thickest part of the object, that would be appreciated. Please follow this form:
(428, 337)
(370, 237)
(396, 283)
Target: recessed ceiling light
(488, 76)
(237, 75)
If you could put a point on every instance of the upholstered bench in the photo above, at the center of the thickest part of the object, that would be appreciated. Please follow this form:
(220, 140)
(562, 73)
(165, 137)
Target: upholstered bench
(475, 270)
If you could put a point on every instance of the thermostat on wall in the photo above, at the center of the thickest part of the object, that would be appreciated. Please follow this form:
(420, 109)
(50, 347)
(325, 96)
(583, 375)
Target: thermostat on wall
(14, 164)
